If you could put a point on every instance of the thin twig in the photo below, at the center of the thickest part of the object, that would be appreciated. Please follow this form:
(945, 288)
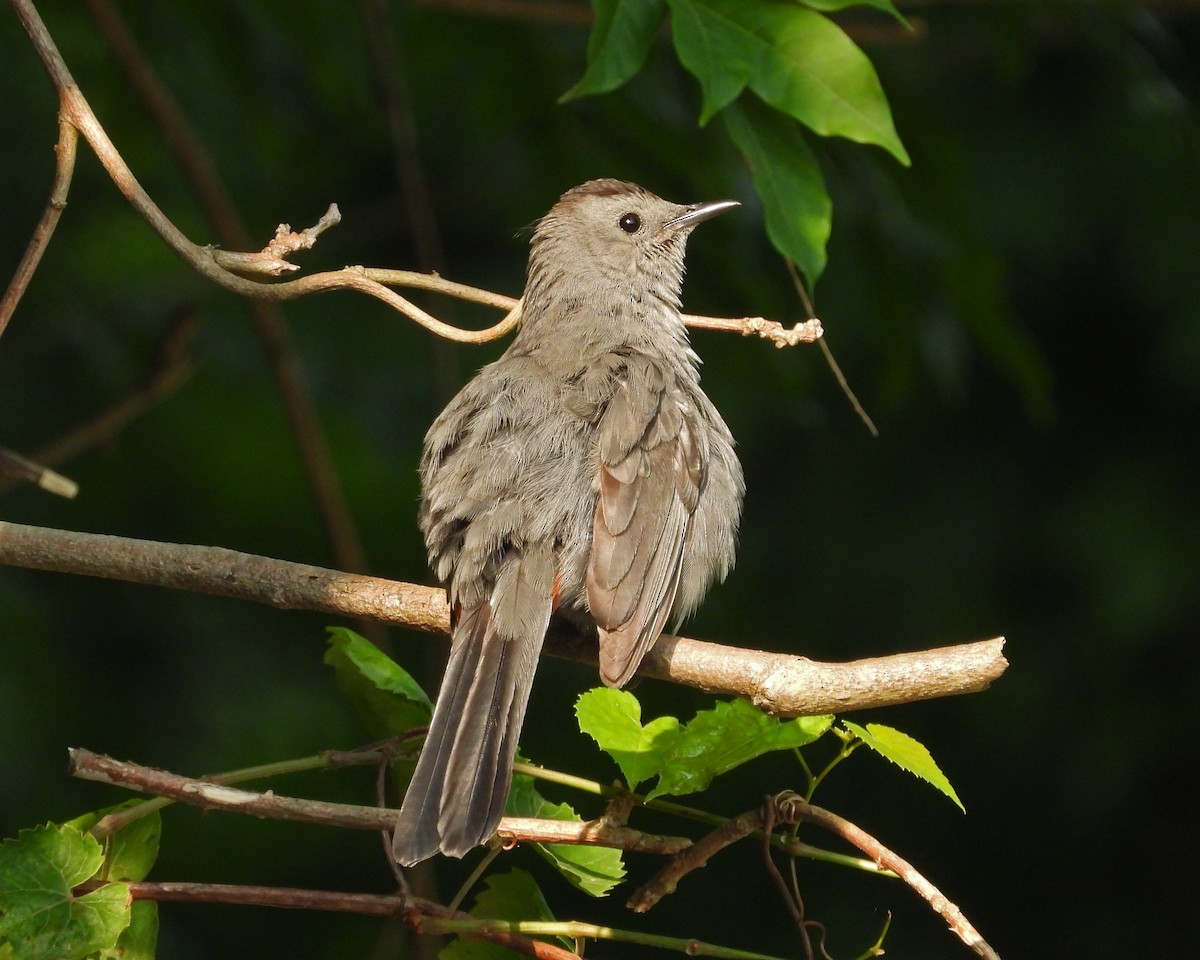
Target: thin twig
(207, 794)
(792, 808)
(412, 909)
(796, 809)
(780, 683)
(15, 467)
(170, 368)
(64, 170)
(273, 334)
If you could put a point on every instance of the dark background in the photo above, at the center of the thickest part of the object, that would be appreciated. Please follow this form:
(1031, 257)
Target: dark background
(1020, 312)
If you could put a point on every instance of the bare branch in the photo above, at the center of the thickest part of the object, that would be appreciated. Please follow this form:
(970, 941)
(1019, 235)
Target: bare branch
(792, 808)
(780, 683)
(170, 368)
(64, 152)
(807, 331)
(16, 467)
(272, 259)
(209, 794)
(201, 171)
(415, 910)
(789, 807)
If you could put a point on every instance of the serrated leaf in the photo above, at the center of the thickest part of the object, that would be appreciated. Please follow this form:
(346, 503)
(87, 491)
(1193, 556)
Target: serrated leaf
(40, 918)
(795, 58)
(386, 697)
(907, 753)
(594, 870)
(132, 850)
(788, 180)
(613, 718)
(618, 44)
(725, 737)
(506, 896)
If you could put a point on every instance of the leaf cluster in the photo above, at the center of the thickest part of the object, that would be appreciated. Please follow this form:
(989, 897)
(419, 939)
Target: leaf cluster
(768, 68)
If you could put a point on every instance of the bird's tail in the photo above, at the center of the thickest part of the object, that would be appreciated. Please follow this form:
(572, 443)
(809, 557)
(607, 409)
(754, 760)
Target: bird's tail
(462, 779)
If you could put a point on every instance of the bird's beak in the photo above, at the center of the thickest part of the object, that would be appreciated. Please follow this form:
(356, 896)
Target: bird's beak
(699, 212)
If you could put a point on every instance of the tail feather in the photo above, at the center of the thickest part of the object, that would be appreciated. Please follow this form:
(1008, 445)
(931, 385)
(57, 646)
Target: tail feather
(461, 783)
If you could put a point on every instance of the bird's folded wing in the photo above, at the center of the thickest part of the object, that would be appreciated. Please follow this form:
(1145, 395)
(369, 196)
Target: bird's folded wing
(651, 471)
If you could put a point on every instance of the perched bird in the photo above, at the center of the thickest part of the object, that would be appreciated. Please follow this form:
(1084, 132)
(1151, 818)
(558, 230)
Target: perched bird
(584, 474)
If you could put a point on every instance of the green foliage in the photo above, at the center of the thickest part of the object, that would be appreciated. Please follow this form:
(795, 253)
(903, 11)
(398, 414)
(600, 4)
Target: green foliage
(619, 42)
(385, 696)
(40, 917)
(789, 55)
(788, 179)
(906, 753)
(685, 757)
(132, 850)
(506, 896)
(594, 870)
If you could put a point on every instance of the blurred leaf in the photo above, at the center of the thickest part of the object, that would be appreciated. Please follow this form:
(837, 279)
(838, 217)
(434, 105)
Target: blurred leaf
(788, 179)
(132, 850)
(906, 753)
(833, 6)
(39, 915)
(507, 896)
(725, 737)
(613, 718)
(618, 44)
(796, 59)
(386, 697)
(594, 870)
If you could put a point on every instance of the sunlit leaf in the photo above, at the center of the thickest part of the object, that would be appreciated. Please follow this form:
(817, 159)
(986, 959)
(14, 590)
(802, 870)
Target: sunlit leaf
(796, 59)
(725, 737)
(613, 719)
(386, 697)
(594, 870)
(40, 917)
(906, 753)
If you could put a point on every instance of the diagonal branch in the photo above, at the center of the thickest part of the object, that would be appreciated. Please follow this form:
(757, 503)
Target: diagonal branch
(780, 683)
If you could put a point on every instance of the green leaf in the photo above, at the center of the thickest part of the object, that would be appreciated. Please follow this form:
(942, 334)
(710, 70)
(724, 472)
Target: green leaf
(798, 210)
(386, 697)
(132, 850)
(39, 915)
(139, 940)
(721, 58)
(833, 6)
(725, 737)
(906, 753)
(594, 870)
(618, 44)
(613, 718)
(796, 59)
(507, 896)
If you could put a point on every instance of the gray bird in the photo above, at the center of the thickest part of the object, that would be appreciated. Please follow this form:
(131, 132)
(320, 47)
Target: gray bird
(584, 474)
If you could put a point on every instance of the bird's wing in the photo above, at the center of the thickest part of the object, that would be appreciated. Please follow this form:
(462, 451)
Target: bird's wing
(651, 469)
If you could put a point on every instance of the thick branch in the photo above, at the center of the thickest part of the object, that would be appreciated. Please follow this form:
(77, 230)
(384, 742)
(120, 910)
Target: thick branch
(779, 683)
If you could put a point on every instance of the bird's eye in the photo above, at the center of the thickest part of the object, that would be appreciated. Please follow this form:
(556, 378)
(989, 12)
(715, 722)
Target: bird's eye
(630, 223)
